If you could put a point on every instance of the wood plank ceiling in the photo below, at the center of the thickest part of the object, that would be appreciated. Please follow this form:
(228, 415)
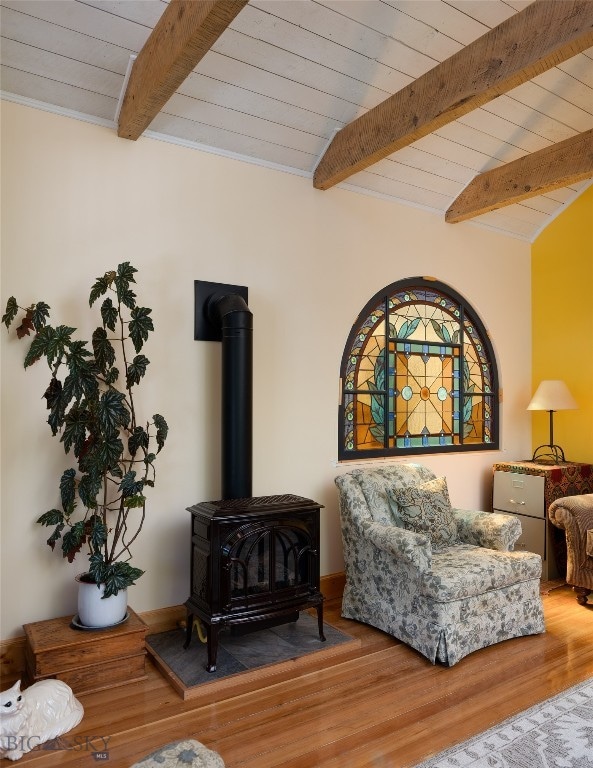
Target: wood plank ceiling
(298, 85)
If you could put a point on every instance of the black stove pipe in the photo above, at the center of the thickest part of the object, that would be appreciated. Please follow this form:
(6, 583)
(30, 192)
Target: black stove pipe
(232, 314)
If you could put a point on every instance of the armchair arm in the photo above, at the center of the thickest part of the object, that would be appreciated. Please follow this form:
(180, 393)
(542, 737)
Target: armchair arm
(414, 548)
(493, 530)
(573, 512)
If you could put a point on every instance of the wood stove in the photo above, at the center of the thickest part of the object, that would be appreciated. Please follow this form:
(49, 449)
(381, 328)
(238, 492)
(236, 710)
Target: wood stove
(254, 560)
(255, 563)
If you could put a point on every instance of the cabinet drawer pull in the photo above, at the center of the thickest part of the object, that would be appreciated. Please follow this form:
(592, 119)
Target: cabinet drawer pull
(517, 502)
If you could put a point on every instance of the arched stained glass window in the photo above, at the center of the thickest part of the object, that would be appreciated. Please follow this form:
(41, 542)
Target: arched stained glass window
(418, 375)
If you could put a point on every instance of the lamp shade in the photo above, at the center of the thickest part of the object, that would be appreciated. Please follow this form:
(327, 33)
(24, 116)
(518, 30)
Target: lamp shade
(552, 395)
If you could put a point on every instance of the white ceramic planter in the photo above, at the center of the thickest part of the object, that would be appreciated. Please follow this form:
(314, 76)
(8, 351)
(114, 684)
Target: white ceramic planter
(93, 611)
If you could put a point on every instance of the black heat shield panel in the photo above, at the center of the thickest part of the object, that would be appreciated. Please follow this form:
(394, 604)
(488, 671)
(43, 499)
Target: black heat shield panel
(204, 328)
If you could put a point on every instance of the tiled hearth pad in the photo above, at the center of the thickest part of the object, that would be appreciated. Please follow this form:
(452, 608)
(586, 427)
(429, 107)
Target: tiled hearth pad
(243, 659)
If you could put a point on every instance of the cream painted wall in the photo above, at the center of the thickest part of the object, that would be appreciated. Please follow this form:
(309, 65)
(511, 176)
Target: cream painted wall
(562, 284)
(76, 201)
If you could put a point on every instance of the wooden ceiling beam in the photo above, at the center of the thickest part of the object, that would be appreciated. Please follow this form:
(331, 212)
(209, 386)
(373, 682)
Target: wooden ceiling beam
(541, 36)
(183, 35)
(556, 166)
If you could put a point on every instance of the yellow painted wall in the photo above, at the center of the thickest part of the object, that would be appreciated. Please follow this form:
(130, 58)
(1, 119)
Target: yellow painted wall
(562, 321)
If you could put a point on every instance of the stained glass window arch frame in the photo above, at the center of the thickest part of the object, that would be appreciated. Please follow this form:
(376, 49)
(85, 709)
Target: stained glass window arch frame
(425, 381)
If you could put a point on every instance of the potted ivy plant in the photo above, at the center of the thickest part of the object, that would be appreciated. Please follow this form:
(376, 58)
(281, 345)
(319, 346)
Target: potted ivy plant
(90, 398)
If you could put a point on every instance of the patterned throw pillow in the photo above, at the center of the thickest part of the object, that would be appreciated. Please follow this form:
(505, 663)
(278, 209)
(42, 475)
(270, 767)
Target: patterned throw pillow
(376, 484)
(426, 509)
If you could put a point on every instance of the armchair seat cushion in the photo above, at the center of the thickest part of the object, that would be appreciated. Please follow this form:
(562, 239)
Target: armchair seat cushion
(509, 602)
(464, 571)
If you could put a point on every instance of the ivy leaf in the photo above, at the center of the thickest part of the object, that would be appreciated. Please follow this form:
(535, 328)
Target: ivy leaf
(101, 453)
(96, 532)
(120, 576)
(75, 427)
(89, 488)
(82, 379)
(57, 408)
(135, 502)
(68, 490)
(53, 517)
(77, 356)
(11, 312)
(101, 286)
(88, 450)
(58, 342)
(112, 411)
(39, 313)
(39, 346)
(53, 393)
(125, 276)
(138, 439)
(109, 314)
(129, 486)
(26, 326)
(108, 452)
(136, 370)
(57, 534)
(162, 430)
(97, 567)
(51, 342)
(73, 540)
(102, 349)
(81, 384)
(139, 326)
(111, 376)
(128, 298)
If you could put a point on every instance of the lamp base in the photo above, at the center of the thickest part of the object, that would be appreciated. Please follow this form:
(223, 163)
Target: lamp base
(548, 454)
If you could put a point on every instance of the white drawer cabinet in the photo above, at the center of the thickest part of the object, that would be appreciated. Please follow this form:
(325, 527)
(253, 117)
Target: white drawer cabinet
(523, 495)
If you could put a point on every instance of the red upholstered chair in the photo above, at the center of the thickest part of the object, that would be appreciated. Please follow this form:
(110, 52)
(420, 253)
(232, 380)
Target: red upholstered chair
(574, 514)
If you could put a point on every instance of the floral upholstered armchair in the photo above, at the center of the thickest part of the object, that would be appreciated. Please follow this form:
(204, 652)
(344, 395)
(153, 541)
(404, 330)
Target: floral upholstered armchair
(574, 514)
(442, 580)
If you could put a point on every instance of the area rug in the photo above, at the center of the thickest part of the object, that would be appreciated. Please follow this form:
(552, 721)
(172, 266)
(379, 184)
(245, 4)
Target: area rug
(557, 733)
(549, 586)
(188, 753)
(243, 660)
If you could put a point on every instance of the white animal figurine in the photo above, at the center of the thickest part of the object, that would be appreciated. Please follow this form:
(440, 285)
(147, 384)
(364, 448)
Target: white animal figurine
(42, 712)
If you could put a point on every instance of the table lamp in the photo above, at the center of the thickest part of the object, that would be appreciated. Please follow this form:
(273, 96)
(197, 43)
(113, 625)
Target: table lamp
(551, 395)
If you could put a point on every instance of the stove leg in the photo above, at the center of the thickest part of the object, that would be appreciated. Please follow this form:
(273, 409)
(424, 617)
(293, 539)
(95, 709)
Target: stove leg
(212, 635)
(188, 629)
(320, 621)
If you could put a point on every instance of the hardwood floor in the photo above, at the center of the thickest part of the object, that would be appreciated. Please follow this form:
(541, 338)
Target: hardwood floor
(382, 706)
